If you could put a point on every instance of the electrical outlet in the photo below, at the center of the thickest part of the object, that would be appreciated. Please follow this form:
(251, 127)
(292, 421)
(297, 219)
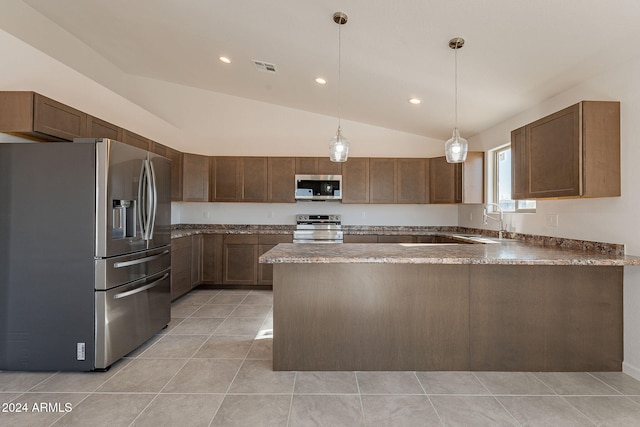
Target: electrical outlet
(270, 214)
(470, 216)
(552, 220)
(364, 214)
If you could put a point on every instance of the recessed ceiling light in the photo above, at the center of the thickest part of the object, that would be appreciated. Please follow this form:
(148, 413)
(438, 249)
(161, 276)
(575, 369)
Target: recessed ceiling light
(225, 60)
(321, 81)
(415, 101)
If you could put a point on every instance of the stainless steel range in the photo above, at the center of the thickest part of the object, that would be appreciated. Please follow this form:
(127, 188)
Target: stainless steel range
(318, 229)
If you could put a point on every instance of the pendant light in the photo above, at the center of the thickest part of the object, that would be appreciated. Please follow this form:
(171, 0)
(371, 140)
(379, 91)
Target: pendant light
(456, 148)
(339, 145)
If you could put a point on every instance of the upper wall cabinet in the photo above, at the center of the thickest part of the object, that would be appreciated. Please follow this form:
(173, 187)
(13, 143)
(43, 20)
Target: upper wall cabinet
(317, 166)
(281, 180)
(397, 180)
(355, 180)
(195, 178)
(457, 182)
(98, 128)
(136, 140)
(574, 152)
(239, 179)
(29, 113)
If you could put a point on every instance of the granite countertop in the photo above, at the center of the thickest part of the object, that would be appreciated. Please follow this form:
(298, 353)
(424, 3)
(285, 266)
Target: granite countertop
(473, 248)
(508, 252)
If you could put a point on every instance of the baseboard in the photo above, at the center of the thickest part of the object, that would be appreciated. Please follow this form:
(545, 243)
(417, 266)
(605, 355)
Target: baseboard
(631, 370)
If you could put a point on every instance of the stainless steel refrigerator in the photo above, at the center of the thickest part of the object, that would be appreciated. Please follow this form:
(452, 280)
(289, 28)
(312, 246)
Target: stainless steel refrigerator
(85, 257)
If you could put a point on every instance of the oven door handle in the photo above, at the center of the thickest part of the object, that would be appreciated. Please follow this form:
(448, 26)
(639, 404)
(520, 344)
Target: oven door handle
(139, 260)
(141, 288)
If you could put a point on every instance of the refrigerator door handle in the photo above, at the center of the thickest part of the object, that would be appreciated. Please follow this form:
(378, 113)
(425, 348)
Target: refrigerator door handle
(141, 288)
(141, 201)
(140, 260)
(153, 192)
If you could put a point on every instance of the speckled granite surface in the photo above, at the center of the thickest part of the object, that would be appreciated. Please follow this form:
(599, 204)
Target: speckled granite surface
(507, 253)
(522, 249)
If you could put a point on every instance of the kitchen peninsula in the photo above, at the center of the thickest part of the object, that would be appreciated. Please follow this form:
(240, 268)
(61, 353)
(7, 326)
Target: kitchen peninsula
(501, 306)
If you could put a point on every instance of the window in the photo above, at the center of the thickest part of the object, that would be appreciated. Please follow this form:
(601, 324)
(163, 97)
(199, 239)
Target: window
(502, 184)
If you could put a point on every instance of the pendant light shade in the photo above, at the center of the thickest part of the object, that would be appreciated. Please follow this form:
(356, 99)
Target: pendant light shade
(456, 147)
(339, 145)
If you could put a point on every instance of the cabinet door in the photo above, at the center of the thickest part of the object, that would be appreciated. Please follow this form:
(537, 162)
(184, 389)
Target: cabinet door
(267, 242)
(97, 128)
(226, 179)
(382, 178)
(136, 140)
(54, 118)
(473, 178)
(180, 266)
(240, 260)
(212, 259)
(306, 165)
(195, 178)
(196, 260)
(281, 179)
(445, 185)
(519, 175)
(411, 181)
(355, 180)
(327, 167)
(554, 154)
(176, 173)
(254, 179)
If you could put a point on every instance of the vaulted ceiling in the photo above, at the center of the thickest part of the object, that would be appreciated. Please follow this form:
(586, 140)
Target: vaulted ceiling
(517, 52)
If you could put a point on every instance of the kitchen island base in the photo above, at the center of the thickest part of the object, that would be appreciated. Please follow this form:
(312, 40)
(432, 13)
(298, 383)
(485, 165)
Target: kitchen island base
(441, 317)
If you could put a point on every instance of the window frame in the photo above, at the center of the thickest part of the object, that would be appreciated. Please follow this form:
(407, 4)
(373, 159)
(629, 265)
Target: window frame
(495, 190)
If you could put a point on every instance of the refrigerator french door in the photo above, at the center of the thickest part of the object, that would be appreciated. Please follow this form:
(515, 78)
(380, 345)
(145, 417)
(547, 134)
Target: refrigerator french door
(84, 253)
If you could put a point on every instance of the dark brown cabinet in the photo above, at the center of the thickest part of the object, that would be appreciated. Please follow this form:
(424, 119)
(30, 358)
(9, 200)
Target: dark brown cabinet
(136, 140)
(239, 179)
(397, 180)
(281, 179)
(176, 173)
(37, 116)
(355, 180)
(240, 259)
(98, 128)
(411, 180)
(212, 258)
(181, 259)
(196, 260)
(195, 178)
(574, 152)
(317, 166)
(265, 243)
(457, 182)
(382, 180)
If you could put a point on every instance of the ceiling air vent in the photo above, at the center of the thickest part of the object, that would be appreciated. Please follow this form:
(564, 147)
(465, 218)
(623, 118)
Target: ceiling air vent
(265, 67)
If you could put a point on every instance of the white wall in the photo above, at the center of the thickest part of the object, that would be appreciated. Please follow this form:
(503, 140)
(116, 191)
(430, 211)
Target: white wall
(613, 220)
(284, 213)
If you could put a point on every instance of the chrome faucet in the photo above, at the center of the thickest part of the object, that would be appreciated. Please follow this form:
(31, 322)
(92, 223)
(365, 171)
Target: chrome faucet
(486, 216)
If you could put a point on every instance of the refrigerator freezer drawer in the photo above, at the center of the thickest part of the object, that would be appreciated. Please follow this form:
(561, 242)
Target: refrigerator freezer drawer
(129, 315)
(112, 272)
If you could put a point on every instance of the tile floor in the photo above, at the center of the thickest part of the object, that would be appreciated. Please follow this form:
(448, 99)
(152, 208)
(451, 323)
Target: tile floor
(212, 367)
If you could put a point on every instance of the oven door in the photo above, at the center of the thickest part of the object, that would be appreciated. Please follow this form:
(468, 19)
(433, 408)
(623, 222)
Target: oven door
(318, 236)
(128, 315)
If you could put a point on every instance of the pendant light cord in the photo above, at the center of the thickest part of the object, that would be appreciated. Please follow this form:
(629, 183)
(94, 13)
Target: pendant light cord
(455, 120)
(339, 70)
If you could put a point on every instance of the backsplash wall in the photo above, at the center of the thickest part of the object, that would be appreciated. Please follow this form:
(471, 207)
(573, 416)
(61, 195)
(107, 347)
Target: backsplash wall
(284, 213)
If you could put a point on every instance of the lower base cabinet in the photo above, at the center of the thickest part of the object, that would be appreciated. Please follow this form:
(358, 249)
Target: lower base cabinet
(181, 262)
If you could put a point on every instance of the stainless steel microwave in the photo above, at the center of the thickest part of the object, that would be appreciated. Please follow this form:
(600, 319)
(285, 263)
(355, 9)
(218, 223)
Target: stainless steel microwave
(318, 187)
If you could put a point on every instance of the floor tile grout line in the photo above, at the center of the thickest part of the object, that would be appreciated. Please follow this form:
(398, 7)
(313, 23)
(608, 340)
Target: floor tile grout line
(606, 383)
(495, 397)
(295, 379)
(481, 383)
(429, 399)
(594, 422)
